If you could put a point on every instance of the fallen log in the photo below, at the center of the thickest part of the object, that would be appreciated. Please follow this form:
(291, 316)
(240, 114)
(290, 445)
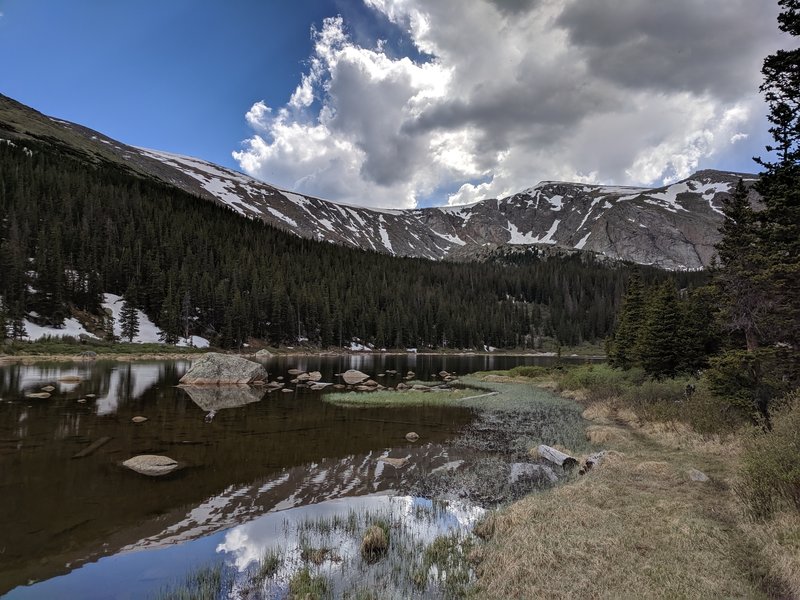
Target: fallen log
(91, 448)
(557, 457)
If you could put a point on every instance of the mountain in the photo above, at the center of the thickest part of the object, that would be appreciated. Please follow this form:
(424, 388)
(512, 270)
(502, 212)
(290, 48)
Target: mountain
(673, 227)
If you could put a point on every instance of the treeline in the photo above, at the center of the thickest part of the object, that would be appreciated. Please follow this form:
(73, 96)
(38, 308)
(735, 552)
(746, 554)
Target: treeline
(72, 231)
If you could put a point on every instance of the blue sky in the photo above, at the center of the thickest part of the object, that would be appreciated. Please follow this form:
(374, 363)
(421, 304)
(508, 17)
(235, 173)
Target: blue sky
(403, 103)
(177, 75)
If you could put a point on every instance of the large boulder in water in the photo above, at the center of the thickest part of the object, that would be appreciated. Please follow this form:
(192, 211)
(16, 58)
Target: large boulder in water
(352, 377)
(220, 369)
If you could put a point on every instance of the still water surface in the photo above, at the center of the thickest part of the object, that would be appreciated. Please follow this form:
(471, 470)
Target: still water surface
(268, 452)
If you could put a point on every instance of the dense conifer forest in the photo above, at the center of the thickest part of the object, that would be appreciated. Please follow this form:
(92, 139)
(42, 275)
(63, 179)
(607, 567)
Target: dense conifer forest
(72, 231)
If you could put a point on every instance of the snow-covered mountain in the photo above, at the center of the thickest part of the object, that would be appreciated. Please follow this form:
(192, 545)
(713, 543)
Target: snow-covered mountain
(674, 227)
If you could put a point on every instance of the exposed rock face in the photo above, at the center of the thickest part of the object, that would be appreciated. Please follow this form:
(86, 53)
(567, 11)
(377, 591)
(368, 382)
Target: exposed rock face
(674, 226)
(151, 465)
(221, 369)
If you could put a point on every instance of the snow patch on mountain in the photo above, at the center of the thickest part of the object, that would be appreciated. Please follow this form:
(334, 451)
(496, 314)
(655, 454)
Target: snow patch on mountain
(72, 328)
(149, 333)
(580, 245)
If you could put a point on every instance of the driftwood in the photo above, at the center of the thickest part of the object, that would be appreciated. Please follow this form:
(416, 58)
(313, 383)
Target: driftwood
(92, 448)
(556, 457)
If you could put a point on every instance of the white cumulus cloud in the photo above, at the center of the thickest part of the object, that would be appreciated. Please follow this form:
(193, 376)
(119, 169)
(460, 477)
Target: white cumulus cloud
(511, 92)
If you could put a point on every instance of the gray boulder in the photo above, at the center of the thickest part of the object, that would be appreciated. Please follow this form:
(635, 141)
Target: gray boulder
(699, 476)
(352, 377)
(264, 354)
(220, 369)
(151, 465)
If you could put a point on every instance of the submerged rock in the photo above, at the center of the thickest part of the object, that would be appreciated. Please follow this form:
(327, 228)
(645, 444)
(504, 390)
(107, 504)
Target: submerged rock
(519, 471)
(216, 369)
(38, 395)
(151, 465)
(138, 419)
(412, 436)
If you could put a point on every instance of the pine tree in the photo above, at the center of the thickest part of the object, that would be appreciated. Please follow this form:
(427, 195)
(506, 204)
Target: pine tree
(129, 320)
(779, 186)
(623, 348)
(3, 321)
(660, 344)
(741, 279)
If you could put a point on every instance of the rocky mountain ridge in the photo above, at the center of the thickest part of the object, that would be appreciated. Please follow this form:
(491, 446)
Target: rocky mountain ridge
(673, 227)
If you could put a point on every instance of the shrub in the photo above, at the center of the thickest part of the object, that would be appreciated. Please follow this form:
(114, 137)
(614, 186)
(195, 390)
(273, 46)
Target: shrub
(375, 544)
(751, 381)
(770, 471)
(306, 586)
(602, 382)
(531, 371)
(651, 392)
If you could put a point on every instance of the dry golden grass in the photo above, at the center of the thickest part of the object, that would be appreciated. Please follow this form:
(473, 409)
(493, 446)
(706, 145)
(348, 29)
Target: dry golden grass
(779, 541)
(601, 413)
(602, 434)
(639, 527)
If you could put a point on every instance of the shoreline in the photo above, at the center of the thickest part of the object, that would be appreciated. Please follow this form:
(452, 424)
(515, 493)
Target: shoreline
(152, 356)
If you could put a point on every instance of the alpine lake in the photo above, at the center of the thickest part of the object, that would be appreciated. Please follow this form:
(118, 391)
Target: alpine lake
(259, 469)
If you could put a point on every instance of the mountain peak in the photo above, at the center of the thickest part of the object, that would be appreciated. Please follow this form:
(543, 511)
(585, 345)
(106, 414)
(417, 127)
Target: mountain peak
(673, 226)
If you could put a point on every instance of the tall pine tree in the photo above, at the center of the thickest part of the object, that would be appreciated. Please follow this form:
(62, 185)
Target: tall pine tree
(129, 319)
(780, 186)
(623, 346)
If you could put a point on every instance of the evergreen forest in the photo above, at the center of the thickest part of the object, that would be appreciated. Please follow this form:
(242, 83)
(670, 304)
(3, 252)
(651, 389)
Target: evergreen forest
(72, 231)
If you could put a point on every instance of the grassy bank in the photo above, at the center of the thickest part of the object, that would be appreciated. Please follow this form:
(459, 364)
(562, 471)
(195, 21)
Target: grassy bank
(640, 525)
(59, 348)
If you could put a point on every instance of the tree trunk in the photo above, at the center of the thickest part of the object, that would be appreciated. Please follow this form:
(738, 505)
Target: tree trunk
(556, 457)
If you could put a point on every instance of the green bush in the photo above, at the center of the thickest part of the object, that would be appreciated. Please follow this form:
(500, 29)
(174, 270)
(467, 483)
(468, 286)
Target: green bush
(529, 371)
(652, 392)
(602, 382)
(752, 381)
(770, 470)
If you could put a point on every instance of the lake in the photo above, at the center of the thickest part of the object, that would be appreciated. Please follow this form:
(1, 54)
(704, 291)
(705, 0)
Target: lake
(84, 527)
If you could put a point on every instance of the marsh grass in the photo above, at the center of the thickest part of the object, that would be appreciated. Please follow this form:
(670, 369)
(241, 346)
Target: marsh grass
(206, 583)
(397, 398)
(306, 586)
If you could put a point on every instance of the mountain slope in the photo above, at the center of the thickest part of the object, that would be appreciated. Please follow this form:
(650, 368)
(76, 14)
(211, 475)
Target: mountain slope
(673, 227)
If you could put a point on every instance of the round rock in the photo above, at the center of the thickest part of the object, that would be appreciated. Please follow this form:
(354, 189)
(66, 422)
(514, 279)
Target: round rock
(139, 419)
(412, 436)
(151, 465)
